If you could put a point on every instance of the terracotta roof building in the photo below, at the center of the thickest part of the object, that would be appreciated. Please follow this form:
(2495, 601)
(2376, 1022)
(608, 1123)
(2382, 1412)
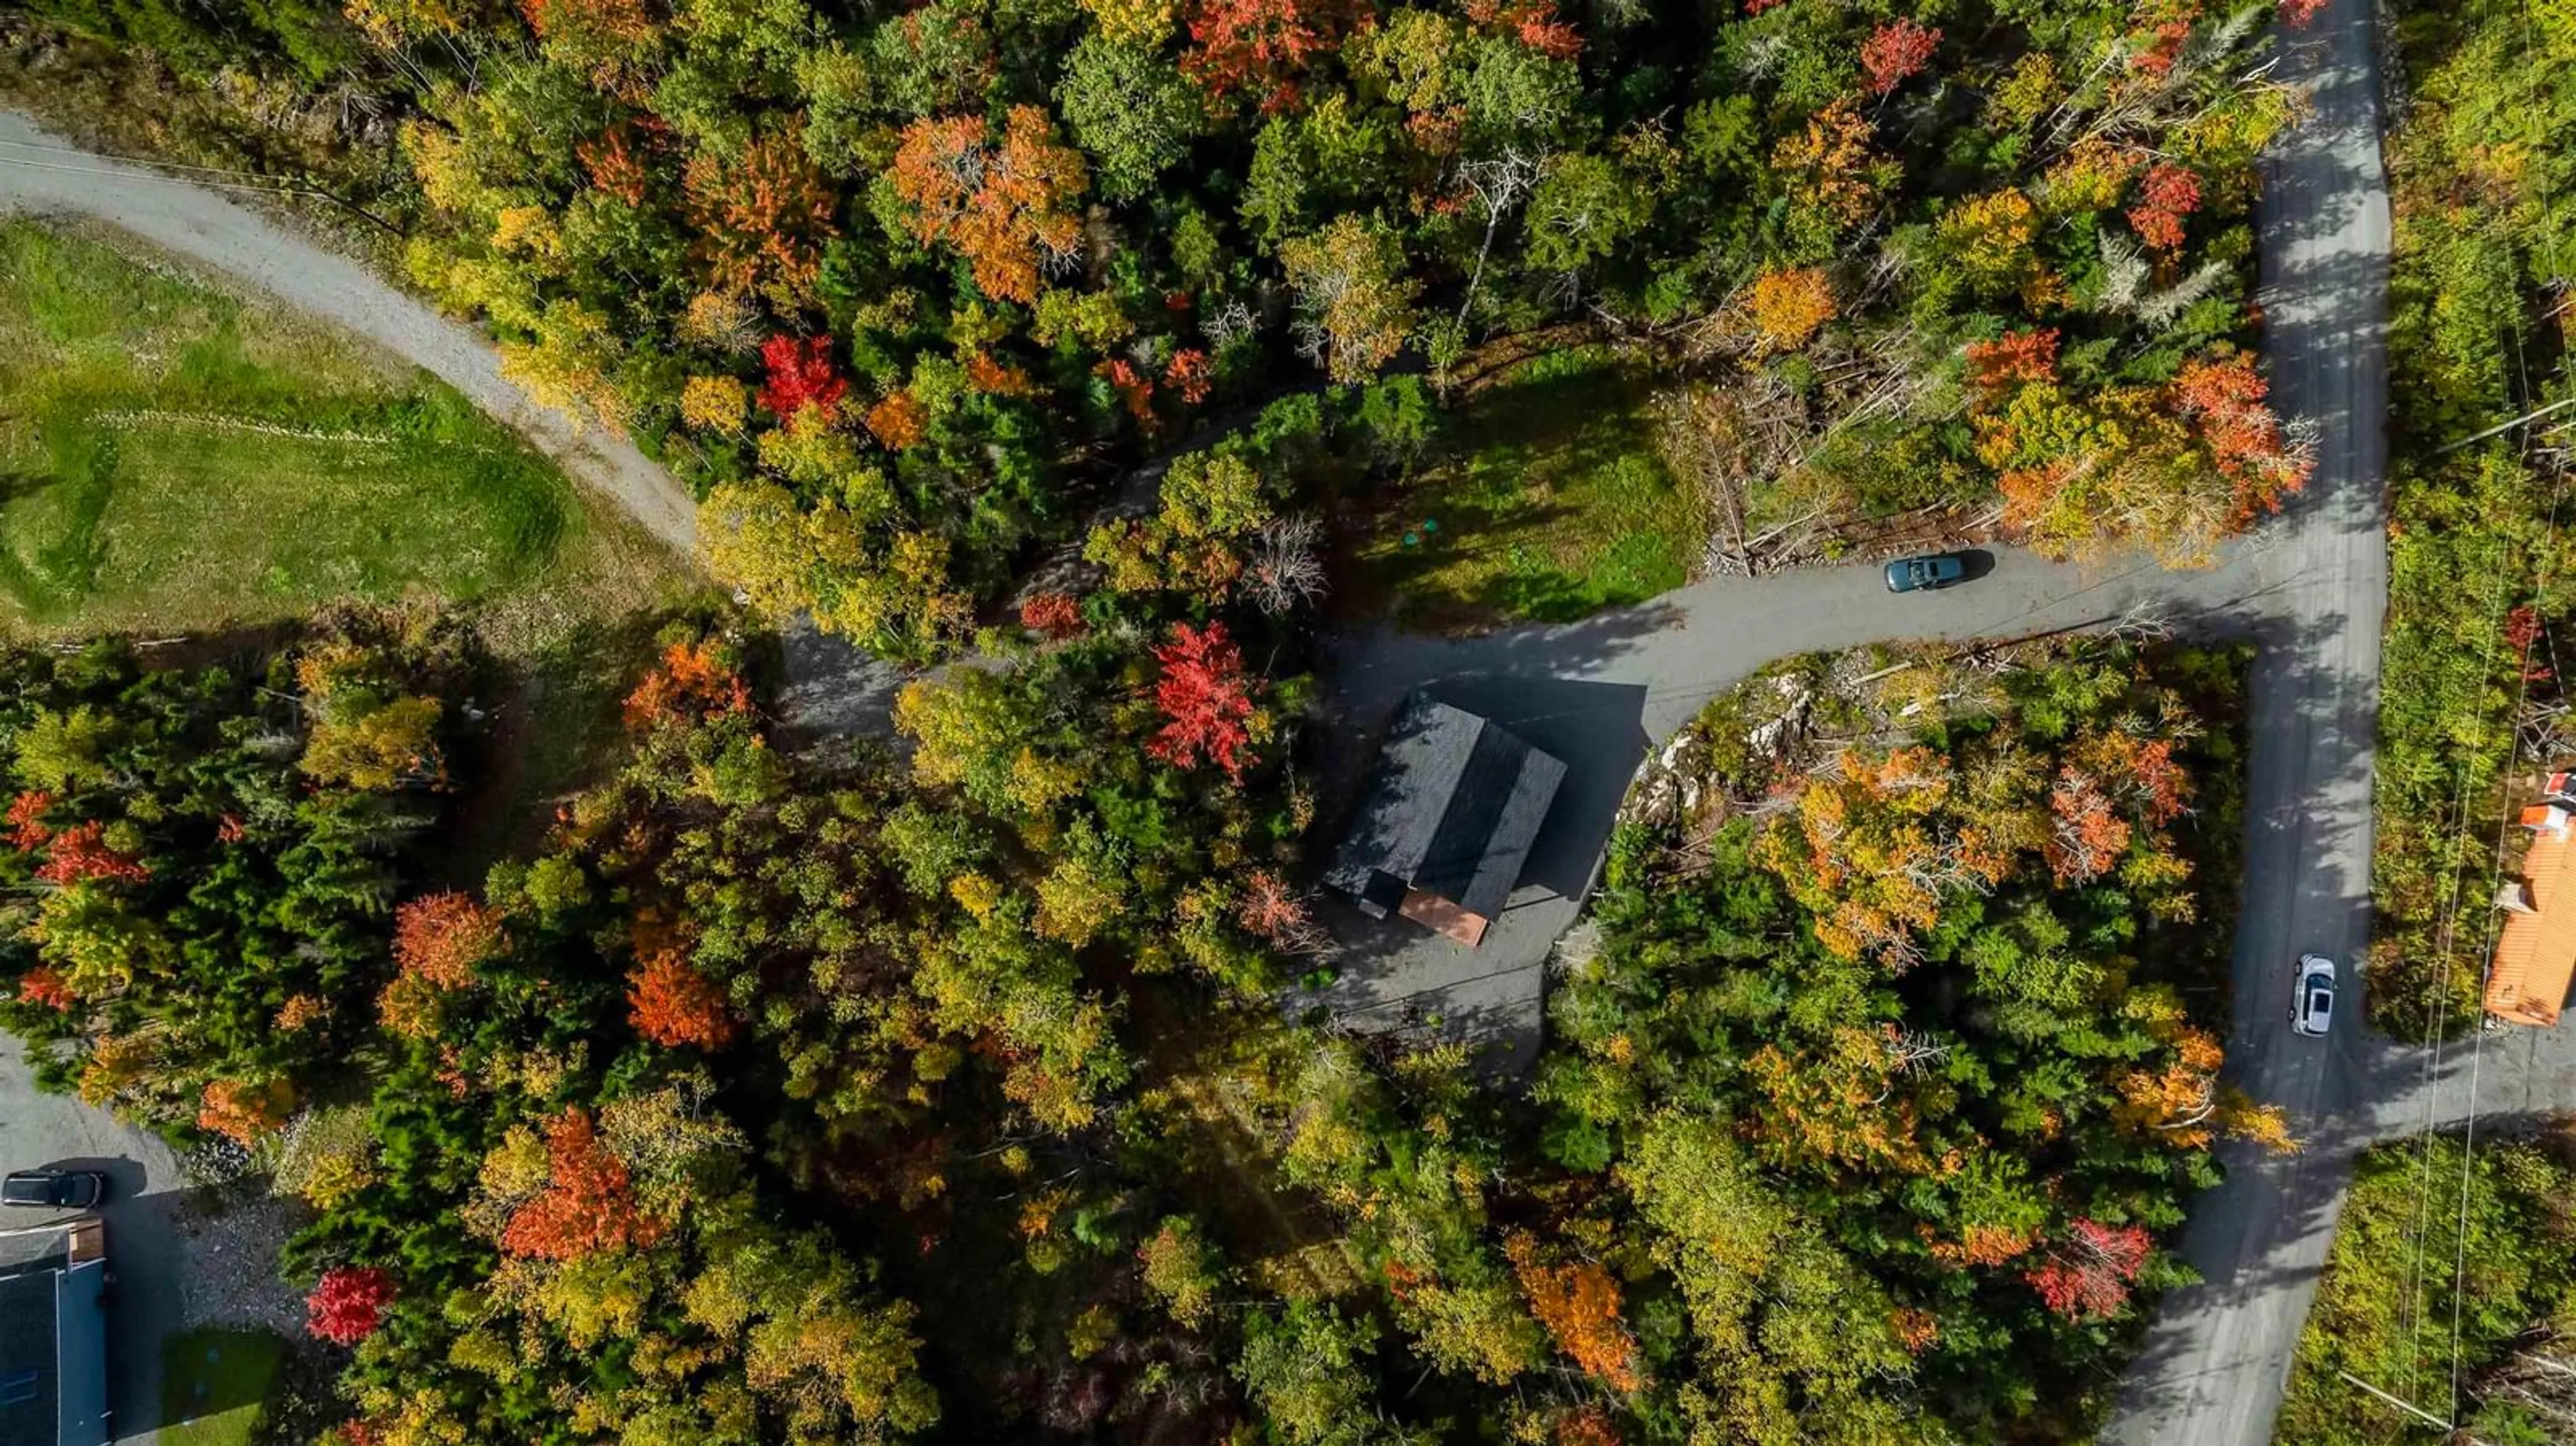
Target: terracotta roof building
(2535, 957)
(1452, 810)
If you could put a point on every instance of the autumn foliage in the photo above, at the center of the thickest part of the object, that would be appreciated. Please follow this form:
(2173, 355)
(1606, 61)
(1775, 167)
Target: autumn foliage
(80, 853)
(439, 938)
(1055, 614)
(1188, 373)
(2166, 199)
(694, 681)
(1895, 51)
(899, 421)
(1002, 204)
(587, 1205)
(1579, 1305)
(672, 1004)
(2223, 396)
(26, 820)
(1205, 698)
(2014, 358)
(1258, 46)
(348, 1303)
(46, 987)
(800, 375)
(763, 214)
(1789, 305)
(243, 1111)
(2088, 1274)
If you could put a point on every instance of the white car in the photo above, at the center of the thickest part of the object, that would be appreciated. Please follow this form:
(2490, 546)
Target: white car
(2312, 1002)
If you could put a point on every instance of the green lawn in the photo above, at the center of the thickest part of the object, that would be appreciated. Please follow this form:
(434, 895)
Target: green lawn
(173, 457)
(214, 1383)
(1546, 501)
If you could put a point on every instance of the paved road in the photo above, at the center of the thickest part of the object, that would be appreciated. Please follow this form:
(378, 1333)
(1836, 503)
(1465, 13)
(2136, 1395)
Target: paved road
(41, 173)
(2213, 1366)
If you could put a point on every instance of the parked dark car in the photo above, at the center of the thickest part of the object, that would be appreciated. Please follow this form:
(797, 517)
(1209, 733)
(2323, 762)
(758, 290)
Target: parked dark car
(53, 1189)
(1928, 573)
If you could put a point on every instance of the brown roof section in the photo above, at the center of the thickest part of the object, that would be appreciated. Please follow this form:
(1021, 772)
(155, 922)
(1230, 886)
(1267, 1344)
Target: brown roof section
(2535, 957)
(1453, 919)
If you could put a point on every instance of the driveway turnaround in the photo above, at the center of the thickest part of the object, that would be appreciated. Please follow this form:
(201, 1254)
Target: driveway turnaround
(43, 174)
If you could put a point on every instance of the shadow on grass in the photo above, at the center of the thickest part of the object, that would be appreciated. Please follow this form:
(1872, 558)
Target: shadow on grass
(214, 1383)
(556, 730)
(1546, 502)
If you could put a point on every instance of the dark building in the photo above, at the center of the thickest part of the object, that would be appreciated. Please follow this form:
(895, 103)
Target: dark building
(53, 1345)
(1452, 809)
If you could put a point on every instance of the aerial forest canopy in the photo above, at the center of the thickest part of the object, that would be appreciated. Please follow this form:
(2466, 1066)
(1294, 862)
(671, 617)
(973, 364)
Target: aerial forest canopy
(894, 290)
(808, 1097)
(943, 1091)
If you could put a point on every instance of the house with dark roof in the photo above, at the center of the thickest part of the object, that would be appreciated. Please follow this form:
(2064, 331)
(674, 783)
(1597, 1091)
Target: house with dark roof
(53, 1343)
(1452, 809)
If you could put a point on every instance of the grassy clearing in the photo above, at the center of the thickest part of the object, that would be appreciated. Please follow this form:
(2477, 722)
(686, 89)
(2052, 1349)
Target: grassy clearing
(176, 458)
(1547, 501)
(214, 1385)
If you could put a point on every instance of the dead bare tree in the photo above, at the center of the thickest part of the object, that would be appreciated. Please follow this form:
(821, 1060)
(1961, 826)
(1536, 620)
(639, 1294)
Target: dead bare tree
(1500, 184)
(2540, 1378)
(1284, 569)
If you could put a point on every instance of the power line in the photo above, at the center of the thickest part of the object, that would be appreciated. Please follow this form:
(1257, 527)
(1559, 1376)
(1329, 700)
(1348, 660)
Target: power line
(269, 190)
(141, 160)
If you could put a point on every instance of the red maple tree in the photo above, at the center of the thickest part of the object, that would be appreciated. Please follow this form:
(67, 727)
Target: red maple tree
(1055, 614)
(2167, 196)
(588, 1204)
(614, 167)
(81, 853)
(800, 375)
(2014, 358)
(1205, 698)
(763, 211)
(1895, 51)
(243, 1111)
(2223, 397)
(1003, 201)
(1133, 388)
(1188, 374)
(1258, 46)
(47, 987)
(439, 938)
(26, 820)
(693, 682)
(673, 1004)
(899, 421)
(348, 1303)
(2088, 1274)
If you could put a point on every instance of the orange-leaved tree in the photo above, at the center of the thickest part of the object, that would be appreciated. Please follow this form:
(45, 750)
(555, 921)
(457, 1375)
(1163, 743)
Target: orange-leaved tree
(671, 1003)
(587, 1204)
(1579, 1304)
(1001, 202)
